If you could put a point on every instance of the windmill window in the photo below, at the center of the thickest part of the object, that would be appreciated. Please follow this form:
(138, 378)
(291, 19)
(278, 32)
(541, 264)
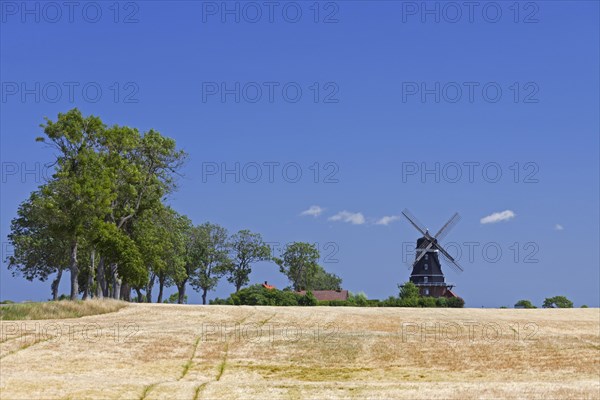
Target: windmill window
(427, 256)
(426, 279)
(426, 266)
(426, 292)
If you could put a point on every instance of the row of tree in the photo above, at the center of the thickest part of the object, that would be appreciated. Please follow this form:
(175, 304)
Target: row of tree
(102, 216)
(549, 302)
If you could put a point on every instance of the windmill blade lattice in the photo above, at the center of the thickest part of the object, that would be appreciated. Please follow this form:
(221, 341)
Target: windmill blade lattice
(443, 232)
(451, 261)
(414, 221)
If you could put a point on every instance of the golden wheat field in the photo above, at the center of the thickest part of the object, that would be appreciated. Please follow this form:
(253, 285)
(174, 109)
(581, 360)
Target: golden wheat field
(219, 352)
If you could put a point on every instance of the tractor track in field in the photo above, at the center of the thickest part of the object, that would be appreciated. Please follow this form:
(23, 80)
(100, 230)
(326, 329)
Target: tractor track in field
(223, 363)
(16, 337)
(190, 363)
(264, 321)
(26, 346)
(148, 389)
(199, 390)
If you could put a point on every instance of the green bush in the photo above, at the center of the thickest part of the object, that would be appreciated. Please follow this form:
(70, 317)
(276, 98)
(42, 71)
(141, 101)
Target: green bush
(524, 304)
(441, 302)
(408, 291)
(391, 302)
(427, 302)
(174, 298)
(357, 300)
(308, 299)
(287, 298)
(584, 306)
(7, 302)
(422, 301)
(409, 302)
(338, 303)
(219, 302)
(456, 302)
(257, 295)
(557, 302)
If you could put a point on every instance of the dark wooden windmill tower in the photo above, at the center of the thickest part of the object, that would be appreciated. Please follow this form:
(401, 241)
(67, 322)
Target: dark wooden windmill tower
(427, 272)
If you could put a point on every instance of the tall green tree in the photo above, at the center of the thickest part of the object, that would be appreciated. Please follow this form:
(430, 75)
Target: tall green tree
(79, 191)
(175, 254)
(324, 280)
(149, 233)
(182, 276)
(299, 262)
(104, 178)
(160, 236)
(120, 250)
(209, 254)
(247, 248)
(38, 252)
(144, 167)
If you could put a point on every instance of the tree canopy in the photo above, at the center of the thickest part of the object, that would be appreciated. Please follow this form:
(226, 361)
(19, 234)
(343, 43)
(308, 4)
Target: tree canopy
(247, 248)
(103, 179)
(524, 304)
(557, 302)
(299, 262)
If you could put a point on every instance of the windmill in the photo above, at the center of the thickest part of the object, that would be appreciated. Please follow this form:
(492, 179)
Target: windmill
(427, 270)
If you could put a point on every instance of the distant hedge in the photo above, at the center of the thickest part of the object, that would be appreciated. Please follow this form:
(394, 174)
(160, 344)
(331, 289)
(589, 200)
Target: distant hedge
(257, 295)
(454, 302)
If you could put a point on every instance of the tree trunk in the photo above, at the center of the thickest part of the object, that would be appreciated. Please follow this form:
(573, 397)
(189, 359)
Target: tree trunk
(90, 281)
(161, 286)
(87, 288)
(138, 291)
(101, 289)
(116, 288)
(74, 272)
(55, 283)
(149, 287)
(125, 292)
(116, 292)
(204, 291)
(181, 292)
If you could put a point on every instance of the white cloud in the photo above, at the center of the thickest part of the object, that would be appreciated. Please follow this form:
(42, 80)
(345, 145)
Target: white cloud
(314, 211)
(498, 216)
(387, 220)
(346, 216)
(559, 227)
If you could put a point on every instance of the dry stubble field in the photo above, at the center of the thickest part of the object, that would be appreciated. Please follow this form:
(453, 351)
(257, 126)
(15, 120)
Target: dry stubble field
(195, 352)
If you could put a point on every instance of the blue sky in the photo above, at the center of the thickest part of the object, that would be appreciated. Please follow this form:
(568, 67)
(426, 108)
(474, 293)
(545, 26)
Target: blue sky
(371, 95)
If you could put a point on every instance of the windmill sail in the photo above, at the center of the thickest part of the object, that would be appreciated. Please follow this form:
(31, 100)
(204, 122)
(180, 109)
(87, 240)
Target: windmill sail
(427, 272)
